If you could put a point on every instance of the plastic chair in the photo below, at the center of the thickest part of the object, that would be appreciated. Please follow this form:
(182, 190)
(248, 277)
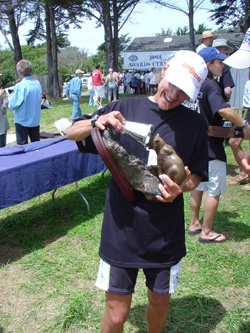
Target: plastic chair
(62, 125)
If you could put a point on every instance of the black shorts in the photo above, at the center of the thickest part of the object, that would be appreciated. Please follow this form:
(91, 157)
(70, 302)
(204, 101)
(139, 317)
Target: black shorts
(121, 281)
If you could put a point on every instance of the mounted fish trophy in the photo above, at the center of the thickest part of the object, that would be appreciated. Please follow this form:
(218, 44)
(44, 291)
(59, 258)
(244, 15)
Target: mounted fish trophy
(131, 173)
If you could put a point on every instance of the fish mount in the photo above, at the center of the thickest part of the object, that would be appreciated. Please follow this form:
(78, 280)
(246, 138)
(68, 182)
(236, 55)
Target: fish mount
(131, 173)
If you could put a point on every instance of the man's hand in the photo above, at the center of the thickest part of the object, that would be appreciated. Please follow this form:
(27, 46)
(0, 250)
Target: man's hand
(169, 189)
(114, 118)
(80, 99)
(82, 128)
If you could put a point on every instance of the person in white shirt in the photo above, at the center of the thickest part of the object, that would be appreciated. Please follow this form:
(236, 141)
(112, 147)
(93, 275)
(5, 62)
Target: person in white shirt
(206, 40)
(152, 81)
(146, 82)
(91, 90)
(127, 79)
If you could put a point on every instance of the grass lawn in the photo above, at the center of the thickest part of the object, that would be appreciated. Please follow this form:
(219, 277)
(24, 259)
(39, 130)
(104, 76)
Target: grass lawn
(49, 261)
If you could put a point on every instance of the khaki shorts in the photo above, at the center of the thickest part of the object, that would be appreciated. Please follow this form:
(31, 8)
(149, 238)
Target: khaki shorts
(217, 180)
(99, 92)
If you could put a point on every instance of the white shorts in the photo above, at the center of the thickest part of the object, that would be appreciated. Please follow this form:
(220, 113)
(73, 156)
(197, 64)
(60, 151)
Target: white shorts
(99, 91)
(217, 180)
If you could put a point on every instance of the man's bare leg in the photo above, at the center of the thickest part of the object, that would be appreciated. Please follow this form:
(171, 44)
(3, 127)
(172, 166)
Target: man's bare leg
(238, 155)
(210, 210)
(116, 313)
(156, 311)
(195, 205)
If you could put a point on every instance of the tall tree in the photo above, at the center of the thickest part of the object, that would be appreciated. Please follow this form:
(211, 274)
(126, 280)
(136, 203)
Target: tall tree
(13, 13)
(234, 13)
(189, 11)
(112, 15)
(59, 14)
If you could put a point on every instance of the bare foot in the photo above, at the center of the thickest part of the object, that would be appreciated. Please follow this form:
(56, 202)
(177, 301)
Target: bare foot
(195, 228)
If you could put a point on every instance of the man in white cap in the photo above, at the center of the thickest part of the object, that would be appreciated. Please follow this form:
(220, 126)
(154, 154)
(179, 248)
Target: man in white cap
(149, 235)
(206, 40)
(226, 81)
(73, 91)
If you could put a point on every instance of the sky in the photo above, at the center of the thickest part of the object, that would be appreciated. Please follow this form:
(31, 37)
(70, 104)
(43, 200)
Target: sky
(145, 21)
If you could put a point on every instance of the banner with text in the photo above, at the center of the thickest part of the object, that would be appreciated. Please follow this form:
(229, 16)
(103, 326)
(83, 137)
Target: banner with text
(146, 60)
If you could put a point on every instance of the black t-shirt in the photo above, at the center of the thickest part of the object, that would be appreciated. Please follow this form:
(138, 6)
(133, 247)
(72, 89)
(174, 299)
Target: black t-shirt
(225, 80)
(147, 234)
(210, 102)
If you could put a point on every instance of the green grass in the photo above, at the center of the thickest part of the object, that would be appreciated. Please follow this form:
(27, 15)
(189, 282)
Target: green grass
(49, 261)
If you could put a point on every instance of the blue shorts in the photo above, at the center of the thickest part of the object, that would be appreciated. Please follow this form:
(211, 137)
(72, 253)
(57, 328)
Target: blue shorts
(121, 281)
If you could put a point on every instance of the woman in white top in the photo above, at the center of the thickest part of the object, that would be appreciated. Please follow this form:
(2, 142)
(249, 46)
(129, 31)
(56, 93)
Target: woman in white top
(111, 83)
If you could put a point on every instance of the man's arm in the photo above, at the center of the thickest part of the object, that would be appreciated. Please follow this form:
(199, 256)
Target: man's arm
(230, 115)
(16, 99)
(82, 128)
(228, 93)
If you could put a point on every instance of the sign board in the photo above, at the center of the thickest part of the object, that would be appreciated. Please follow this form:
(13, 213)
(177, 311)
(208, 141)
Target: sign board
(146, 60)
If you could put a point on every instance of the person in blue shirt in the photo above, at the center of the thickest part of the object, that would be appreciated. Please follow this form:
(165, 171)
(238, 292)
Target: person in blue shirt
(25, 100)
(73, 91)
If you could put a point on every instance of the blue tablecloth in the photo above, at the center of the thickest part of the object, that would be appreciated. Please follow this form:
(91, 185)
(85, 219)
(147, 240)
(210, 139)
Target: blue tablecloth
(39, 167)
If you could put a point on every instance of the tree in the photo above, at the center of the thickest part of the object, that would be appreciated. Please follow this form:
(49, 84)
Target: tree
(168, 32)
(71, 58)
(234, 13)
(112, 15)
(13, 13)
(59, 14)
(123, 42)
(189, 11)
(182, 31)
(201, 27)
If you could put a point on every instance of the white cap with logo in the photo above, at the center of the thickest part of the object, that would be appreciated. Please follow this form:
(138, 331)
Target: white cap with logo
(241, 58)
(187, 71)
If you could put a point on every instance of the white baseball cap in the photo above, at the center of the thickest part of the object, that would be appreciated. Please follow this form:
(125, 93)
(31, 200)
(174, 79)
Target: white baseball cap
(241, 58)
(78, 71)
(187, 70)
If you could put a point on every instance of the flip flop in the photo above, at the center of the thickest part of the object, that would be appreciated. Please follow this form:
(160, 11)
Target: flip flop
(241, 181)
(193, 233)
(212, 240)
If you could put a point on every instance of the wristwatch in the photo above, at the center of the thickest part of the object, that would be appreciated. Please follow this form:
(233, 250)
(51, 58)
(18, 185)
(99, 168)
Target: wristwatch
(94, 119)
(245, 123)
